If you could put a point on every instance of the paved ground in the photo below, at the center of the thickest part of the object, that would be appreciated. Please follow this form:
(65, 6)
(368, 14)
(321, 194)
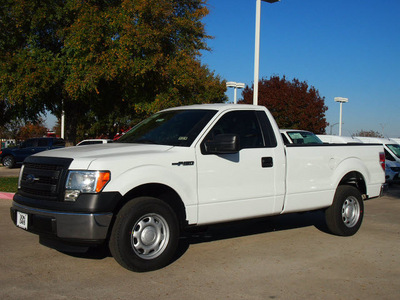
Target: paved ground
(6, 172)
(286, 257)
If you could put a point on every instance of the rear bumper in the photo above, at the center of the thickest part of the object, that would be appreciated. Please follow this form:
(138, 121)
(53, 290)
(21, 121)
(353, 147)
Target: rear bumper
(80, 227)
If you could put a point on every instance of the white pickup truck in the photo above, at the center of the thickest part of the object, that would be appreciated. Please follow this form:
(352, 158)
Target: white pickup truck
(185, 167)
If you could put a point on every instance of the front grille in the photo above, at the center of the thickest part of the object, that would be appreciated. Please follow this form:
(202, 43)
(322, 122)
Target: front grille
(44, 178)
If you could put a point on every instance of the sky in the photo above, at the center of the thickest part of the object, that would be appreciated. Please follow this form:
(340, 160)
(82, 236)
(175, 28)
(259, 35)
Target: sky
(344, 48)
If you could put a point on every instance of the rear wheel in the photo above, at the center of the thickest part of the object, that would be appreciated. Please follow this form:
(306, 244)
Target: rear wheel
(145, 235)
(345, 215)
(9, 161)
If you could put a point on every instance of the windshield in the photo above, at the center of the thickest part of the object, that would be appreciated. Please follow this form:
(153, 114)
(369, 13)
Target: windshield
(304, 137)
(173, 128)
(395, 148)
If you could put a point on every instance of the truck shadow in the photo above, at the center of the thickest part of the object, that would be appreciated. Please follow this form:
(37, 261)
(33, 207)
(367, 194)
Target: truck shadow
(251, 227)
(229, 230)
(256, 226)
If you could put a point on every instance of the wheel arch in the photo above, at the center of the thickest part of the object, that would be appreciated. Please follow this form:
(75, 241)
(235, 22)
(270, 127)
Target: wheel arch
(356, 179)
(159, 191)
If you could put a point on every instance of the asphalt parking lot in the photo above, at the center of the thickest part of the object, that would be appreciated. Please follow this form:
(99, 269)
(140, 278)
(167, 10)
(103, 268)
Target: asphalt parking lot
(285, 257)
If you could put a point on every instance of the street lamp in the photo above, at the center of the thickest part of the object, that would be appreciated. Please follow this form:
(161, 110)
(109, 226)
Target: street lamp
(257, 49)
(62, 119)
(235, 85)
(331, 126)
(341, 101)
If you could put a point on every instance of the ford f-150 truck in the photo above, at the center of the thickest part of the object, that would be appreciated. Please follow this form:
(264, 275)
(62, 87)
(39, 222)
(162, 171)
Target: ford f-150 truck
(186, 167)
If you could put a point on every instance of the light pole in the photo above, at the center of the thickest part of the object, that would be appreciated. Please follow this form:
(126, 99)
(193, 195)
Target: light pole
(235, 85)
(331, 126)
(257, 49)
(62, 119)
(341, 101)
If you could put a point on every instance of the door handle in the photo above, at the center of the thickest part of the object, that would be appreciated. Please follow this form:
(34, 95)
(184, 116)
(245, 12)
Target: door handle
(267, 162)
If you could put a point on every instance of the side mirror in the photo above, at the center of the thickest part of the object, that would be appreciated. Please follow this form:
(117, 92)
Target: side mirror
(223, 144)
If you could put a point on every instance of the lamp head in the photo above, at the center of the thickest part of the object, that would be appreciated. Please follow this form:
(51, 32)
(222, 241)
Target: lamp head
(341, 99)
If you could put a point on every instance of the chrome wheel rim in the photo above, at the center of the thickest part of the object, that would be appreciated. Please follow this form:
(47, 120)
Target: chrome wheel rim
(149, 236)
(351, 211)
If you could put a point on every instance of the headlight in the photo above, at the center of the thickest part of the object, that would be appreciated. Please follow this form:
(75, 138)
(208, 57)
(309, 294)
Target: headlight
(85, 182)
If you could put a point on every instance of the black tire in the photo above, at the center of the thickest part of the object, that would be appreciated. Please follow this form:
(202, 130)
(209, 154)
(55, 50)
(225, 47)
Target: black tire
(145, 235)
(9, 161)
(345, 215)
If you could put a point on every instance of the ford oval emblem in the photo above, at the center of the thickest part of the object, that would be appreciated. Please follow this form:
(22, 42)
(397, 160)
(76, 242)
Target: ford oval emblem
(31, 178)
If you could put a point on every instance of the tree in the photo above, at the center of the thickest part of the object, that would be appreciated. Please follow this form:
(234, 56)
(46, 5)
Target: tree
(294, 105)
(103, 61)
(11, 129)
(30, 130)
(369, 133)
(19, 130)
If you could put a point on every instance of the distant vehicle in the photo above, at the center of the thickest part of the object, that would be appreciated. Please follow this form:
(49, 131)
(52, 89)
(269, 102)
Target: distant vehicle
(120, 134)
(5, 143)
(294, 136)
(397, 140)
(94, 142)
(335, 139)
(392, 149)
(12, 156)
(392, 171)
(392, 156)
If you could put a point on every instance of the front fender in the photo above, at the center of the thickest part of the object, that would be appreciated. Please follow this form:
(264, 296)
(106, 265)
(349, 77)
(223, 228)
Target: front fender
(181, 179)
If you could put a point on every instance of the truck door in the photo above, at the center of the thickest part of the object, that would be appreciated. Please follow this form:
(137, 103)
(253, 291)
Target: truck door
(244, 184)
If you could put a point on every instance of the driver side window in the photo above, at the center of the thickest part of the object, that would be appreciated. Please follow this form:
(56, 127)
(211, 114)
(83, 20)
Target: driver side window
(244, 124)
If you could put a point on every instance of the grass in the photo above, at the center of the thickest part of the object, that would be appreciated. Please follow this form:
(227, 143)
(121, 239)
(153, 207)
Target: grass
(8, 184)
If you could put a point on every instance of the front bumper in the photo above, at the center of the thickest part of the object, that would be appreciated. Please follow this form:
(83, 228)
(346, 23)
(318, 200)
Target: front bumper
(83, 227)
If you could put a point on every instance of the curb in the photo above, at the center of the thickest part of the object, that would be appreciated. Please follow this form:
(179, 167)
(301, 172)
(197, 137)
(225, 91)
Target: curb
(6, 196)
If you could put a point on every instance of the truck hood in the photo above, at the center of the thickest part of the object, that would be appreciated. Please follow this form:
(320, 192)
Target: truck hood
(83, 156)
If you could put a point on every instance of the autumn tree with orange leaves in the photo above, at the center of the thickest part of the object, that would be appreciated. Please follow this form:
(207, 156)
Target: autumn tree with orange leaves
(294, 104)
(105, 62)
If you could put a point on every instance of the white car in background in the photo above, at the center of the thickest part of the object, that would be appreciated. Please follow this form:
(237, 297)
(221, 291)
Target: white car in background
(295, 136)
(392, 156)
(94, 142)
(397, 140)
(335, 139)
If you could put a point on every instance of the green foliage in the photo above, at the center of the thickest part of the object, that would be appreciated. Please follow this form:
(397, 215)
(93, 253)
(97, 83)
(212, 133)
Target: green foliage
(107, 61)
(294, 105)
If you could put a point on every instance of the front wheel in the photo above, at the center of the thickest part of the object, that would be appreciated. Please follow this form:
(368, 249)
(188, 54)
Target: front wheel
(145, 235)
(9, 161)
(345, 215)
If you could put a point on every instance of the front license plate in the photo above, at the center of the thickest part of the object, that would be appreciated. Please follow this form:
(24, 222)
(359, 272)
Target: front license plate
(22, 220)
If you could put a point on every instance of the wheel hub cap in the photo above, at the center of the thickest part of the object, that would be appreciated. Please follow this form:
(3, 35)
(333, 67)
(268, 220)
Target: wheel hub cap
(149, 236)
(350, 212)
